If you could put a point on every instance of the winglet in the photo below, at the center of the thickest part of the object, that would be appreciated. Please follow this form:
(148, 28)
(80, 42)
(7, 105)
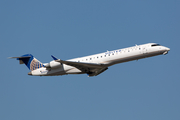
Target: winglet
(54, 57)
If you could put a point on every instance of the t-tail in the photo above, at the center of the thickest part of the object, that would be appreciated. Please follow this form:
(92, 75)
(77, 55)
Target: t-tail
(30, 61)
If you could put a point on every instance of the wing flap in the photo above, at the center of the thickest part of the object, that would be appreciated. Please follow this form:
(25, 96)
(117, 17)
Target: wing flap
(97, 72)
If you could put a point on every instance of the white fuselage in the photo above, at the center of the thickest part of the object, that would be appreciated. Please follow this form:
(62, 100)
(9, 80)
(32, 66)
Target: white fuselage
(107, 59)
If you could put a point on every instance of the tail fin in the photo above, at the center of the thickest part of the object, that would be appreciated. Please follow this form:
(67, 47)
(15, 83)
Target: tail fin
(29, 60)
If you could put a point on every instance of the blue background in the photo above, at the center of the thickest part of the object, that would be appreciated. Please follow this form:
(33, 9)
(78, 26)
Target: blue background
(145, 89)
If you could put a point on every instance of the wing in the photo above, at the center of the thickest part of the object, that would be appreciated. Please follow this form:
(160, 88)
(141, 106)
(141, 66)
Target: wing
(91, 69)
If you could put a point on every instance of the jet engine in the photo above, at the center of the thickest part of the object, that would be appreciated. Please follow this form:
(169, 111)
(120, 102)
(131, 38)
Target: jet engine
(53, 64)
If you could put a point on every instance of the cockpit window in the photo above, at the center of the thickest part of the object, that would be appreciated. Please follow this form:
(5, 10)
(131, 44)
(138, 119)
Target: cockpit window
(155, 45)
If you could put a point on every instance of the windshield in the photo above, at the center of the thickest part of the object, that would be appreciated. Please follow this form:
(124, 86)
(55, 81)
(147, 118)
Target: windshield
(155, 45)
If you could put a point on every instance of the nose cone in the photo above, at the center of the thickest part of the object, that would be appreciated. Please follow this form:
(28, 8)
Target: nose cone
(168, 49)
(30, 73)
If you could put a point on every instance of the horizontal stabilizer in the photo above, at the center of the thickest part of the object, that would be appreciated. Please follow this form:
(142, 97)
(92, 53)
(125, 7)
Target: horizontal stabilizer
(20, 57)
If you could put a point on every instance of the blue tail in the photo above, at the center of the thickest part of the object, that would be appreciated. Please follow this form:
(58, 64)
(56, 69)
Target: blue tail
(31, 62)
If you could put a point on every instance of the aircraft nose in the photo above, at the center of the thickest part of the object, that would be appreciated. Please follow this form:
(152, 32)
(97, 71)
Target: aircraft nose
(168, 49)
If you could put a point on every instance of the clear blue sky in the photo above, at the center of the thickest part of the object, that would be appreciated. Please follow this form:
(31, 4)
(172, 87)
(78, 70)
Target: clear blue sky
(147, 89)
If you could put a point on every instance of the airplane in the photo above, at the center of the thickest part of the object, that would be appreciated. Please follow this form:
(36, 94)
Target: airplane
(91, 65)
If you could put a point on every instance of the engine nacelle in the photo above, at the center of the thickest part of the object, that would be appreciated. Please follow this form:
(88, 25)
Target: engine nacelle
(53, 64)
